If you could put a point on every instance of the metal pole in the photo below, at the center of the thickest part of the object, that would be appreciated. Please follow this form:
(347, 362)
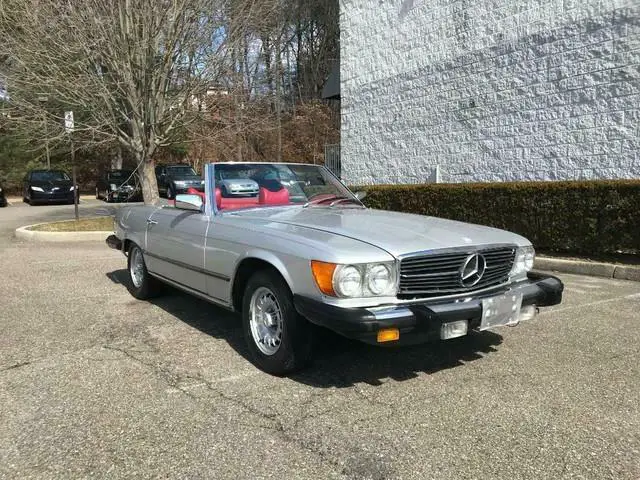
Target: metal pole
(46, 146)
(76, 195)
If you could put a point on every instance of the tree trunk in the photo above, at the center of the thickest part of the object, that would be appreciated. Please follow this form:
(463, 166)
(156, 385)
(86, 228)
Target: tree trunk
(149, 182)
(278, 101)
(266, 49)
(116, 160)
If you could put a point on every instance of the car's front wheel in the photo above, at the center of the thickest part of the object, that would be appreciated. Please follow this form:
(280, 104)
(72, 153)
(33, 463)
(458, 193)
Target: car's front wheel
(170, 193)
(279, 339)
(141, 285)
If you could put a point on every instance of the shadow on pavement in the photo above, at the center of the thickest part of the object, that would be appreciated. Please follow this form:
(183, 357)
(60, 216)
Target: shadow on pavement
(338, 361)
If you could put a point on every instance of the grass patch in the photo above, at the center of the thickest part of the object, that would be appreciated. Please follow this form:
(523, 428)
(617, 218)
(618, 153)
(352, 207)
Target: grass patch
(95, 224)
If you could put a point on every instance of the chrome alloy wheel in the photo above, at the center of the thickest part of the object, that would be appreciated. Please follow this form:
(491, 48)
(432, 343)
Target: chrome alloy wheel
(265, 320)
(136, 270)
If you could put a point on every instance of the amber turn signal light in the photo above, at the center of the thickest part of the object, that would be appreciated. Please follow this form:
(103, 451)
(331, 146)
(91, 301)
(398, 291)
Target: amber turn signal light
(323, 275)
(388, 335)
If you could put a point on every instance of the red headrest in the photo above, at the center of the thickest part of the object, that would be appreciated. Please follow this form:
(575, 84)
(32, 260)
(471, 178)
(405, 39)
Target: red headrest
(267, 197)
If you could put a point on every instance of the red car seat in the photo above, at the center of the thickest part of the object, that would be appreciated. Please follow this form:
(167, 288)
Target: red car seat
(269, 197)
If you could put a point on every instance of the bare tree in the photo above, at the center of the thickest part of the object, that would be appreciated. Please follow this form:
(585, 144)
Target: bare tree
(131, 70)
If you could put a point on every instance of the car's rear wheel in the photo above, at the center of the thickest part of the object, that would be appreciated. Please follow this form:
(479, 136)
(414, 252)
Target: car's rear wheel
(141, 285)
(278, 338)
(170, 193)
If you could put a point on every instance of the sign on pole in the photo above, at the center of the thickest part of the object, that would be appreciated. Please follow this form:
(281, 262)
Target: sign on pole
(68, 122)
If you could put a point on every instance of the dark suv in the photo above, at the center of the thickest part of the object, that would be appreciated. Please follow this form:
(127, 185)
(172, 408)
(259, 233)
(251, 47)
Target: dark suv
(119, 186)
(174, 179)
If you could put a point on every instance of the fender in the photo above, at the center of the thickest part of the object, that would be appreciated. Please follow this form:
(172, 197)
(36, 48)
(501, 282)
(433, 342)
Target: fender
(265, 256)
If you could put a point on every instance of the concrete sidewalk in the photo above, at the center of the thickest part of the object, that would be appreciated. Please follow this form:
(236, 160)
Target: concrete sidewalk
(586, 267)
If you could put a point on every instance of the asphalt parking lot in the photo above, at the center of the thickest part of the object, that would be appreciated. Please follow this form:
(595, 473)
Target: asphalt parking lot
(94, 383)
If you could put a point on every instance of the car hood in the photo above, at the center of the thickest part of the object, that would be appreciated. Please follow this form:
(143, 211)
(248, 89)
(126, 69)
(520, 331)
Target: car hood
(49, 184)
(186, 178)
(397, 233)
(239, 182)
(124, 185)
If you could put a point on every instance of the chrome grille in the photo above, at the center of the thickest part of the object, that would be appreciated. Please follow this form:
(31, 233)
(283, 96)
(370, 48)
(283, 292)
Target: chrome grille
(440, 273)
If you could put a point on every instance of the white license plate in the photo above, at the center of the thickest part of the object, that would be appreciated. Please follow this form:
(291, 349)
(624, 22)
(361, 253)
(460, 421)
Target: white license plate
(501, 310)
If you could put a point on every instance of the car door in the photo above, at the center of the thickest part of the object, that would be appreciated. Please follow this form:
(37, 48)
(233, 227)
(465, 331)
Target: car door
(222, 253)
(175, 246)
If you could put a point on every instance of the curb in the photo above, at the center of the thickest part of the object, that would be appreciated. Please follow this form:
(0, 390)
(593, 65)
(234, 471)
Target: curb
(594, 269)
(36, 236)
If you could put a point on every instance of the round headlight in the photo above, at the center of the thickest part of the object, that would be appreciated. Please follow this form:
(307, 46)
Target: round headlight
(348, 281)
(378, 279)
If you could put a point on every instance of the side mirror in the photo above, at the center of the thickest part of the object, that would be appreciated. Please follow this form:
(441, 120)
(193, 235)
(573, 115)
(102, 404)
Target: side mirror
(360, 195)
(189, 202)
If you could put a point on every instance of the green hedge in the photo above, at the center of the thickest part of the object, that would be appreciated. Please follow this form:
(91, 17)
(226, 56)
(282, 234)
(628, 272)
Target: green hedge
(584, 217)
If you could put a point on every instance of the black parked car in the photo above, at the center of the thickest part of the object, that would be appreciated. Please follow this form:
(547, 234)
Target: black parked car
(119, 186)
(173, 179)
(3, 199)
(48, 186)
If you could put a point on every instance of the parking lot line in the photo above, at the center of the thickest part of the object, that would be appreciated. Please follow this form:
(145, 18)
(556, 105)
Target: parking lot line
(573, 289)
(591, 304)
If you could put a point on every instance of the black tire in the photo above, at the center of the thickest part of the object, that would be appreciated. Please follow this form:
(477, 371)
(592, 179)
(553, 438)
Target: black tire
(148, 287)
(295, 349)
(170, 193)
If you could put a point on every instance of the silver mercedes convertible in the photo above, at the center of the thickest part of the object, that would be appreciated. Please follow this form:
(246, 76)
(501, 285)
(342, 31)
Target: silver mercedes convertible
(304, 250)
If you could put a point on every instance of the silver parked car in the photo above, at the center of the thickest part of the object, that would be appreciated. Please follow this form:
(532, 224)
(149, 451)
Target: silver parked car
(306, 250)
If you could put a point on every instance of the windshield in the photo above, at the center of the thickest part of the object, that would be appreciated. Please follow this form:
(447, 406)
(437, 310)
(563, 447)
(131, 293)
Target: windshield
(119, 175)
(181, 171)
(49, 176)
(268, 184)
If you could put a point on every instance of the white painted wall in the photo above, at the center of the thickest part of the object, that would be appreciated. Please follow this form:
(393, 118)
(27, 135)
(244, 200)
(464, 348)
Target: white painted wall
(489, 90)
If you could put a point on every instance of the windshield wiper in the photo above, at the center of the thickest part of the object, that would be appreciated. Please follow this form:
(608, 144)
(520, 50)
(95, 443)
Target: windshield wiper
(334, 199)
(345, 199)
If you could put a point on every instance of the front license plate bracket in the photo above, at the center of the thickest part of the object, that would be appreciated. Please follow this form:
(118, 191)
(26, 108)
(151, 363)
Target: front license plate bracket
(501, 310)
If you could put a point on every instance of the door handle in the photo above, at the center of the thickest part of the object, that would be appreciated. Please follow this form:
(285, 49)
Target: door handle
(151, 222)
